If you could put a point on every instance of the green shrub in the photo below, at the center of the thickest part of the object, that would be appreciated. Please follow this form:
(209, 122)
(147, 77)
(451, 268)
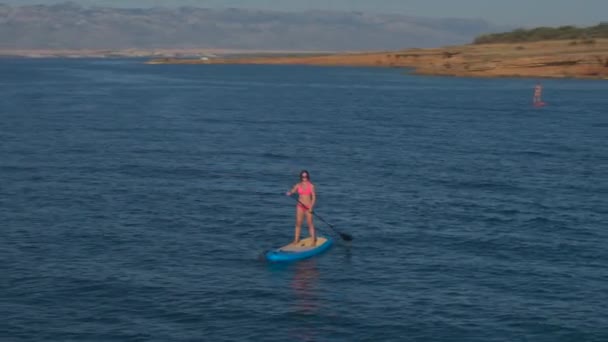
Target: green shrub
(546, 33)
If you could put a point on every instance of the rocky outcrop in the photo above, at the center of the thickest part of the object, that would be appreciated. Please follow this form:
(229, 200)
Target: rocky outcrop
(540, 59)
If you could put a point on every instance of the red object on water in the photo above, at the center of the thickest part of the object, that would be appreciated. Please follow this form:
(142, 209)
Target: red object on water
(539, 104)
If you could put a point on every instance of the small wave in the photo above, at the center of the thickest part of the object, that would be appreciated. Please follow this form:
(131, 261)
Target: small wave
(275, 156)
(156, 171)
(486, 185)
(539, 219)
(540, 224)
(18, 168)
(533, 153)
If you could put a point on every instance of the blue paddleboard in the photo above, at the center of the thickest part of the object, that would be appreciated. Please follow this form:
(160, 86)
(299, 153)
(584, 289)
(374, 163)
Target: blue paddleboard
(299, 251)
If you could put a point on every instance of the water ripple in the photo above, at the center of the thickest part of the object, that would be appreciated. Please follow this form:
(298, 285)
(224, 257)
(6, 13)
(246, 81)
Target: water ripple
(137, 201)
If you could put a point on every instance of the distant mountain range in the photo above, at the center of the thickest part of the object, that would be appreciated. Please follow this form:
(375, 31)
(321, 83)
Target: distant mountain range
(70, 26)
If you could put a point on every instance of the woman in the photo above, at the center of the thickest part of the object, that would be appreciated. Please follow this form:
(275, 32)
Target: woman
(538, 90)
(306, 201)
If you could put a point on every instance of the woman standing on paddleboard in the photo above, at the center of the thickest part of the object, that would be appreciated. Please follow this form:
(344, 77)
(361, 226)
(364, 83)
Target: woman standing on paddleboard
(306, 201)
(538, 91)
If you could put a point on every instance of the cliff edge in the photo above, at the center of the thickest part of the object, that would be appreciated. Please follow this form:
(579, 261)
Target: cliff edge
(554, 59)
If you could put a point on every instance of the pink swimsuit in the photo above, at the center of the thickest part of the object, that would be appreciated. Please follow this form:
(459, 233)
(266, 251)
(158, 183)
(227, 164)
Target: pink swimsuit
(301, 192)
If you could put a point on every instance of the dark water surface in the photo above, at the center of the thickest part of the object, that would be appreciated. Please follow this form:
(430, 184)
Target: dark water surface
(135, 201)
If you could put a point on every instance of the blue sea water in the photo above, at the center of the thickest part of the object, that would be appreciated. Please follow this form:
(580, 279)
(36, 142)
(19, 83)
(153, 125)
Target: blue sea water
(136, 200)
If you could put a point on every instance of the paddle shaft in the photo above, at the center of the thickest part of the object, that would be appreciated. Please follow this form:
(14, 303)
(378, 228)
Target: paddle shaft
(342, 235)
(314, 213)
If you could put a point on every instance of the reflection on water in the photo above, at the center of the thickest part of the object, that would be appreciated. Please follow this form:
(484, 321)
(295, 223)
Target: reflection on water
(304, 287)
(305, 305)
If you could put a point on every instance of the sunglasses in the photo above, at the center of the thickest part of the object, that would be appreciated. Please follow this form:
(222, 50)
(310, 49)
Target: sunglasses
(303, 176)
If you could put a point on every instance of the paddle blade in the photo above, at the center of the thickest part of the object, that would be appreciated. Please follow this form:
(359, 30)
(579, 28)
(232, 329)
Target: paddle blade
(346, 237)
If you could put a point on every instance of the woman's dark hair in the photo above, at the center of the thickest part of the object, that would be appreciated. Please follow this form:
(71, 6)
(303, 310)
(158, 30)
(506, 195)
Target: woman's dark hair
(306, 173)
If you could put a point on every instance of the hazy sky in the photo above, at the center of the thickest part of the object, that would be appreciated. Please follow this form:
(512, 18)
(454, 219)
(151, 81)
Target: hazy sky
(508, 12)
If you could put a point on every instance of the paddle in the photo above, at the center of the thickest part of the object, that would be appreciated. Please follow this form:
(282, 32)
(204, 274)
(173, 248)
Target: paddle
(345, 237)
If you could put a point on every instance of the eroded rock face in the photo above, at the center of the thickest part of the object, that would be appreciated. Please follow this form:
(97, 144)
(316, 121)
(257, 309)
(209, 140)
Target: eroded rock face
(541, 59)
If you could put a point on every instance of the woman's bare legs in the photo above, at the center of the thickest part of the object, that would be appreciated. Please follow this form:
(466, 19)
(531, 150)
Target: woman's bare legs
(311, 228)
(299, 219)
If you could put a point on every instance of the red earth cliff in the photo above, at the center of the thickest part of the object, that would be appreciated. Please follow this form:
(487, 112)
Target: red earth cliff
(572, 59)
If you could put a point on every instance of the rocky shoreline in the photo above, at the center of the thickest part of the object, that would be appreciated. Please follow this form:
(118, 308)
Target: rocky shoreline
(546, 59)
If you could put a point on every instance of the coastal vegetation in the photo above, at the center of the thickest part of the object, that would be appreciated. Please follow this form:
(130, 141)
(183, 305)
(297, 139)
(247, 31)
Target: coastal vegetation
(579, 35)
